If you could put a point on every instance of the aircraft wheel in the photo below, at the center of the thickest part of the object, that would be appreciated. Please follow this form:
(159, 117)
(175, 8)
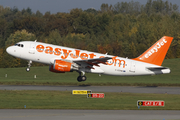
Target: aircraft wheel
(27, 69)
(79, 79)
(83, 78)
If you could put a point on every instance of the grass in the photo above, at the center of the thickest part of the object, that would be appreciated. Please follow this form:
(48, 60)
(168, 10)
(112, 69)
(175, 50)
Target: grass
(65, 100)
(19, 76)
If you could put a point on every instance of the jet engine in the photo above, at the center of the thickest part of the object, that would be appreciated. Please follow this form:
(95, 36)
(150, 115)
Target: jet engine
(60, 66)
(52, 70)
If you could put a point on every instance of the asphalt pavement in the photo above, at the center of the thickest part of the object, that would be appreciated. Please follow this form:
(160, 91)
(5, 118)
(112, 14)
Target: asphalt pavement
(126, 89)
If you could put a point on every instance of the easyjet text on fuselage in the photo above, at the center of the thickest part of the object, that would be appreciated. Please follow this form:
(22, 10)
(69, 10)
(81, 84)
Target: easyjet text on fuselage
(74, 54)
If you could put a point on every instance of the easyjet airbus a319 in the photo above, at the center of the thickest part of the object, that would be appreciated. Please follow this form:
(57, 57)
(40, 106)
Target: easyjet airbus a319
(63, 59)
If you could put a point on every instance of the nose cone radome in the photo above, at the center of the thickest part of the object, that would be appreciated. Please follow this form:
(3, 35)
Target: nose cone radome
(14, 51)
(11, 51)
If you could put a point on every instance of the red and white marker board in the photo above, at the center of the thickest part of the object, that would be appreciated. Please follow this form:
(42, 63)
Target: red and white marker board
(95, 95)
(151, 103)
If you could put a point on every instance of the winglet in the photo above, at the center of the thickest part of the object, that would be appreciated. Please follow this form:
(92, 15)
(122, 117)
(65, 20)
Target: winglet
(157, 52)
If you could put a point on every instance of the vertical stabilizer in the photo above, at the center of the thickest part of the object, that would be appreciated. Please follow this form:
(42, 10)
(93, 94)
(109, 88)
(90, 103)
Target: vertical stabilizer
(157, 52)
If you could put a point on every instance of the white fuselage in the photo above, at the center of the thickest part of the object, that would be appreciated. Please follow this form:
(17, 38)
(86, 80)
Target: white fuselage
(47, 53)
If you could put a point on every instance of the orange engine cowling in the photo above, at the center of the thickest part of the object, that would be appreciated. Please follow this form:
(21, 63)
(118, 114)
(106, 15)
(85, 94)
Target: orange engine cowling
(61, 66)
(52, 70)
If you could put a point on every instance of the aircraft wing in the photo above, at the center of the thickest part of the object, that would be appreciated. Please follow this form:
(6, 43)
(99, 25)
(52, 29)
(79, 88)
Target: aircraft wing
(90, 62)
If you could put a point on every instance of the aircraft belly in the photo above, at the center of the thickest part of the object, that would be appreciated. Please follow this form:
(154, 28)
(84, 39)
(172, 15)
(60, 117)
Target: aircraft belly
(127, 71)
(112, 70)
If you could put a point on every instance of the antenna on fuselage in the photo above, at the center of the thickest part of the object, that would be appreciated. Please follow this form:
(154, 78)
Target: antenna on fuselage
(35, 41)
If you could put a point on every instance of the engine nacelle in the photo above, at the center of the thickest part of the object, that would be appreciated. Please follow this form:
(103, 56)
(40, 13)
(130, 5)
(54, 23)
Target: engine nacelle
(52, 70)
(61, 66)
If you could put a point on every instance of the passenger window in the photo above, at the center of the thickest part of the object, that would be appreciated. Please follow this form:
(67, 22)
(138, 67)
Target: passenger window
(22, 45)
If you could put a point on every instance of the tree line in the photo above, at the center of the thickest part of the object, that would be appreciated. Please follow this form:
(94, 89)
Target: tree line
(124, 29)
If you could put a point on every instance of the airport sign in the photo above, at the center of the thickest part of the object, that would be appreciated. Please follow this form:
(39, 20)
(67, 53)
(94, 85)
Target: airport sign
(81, 92)
(95, 95)
(150, 103)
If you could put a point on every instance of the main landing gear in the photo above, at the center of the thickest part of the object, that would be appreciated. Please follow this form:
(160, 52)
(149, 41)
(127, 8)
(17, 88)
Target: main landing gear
(81, 78)
(29, 65)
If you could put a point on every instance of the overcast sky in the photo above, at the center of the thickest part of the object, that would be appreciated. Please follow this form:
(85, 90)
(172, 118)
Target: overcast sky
(55, 6)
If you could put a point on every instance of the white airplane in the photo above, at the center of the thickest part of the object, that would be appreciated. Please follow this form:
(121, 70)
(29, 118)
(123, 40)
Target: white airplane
(63, 59)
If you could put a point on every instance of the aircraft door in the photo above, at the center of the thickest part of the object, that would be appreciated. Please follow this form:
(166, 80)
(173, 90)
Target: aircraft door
(133, 67)
(32, 49)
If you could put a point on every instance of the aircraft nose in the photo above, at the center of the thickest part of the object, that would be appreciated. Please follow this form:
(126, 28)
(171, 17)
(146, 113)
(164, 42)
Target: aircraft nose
(10, 50)
(14, 51)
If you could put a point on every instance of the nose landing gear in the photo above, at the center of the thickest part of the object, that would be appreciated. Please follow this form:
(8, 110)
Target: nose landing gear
(29, 65)
(81, 78)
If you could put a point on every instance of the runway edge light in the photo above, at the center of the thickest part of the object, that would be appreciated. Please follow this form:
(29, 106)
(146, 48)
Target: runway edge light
(160, 103)
(81, 92)
(95, 95)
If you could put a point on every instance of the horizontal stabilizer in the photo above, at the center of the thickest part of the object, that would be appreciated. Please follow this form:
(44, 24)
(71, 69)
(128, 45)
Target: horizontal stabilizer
(159, 70)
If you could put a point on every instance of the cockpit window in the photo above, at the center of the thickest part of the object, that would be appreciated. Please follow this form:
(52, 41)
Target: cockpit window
(19, 45)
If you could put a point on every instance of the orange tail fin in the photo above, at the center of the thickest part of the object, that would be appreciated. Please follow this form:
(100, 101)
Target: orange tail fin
(157, 52)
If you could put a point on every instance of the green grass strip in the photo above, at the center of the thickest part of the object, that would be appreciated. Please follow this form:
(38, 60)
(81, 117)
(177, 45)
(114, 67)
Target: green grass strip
(65, 100)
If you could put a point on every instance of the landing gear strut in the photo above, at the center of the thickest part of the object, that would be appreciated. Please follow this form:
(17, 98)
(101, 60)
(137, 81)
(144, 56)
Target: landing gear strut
(81, 78)
(29, 65)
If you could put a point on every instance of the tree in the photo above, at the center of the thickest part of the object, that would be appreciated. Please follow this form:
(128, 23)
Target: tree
(55, 38)
(31, 24)
(91, 10)
(29, 10)
(74, 14)
(19, 36)
(106, 8)
(3, 27)
(39, 14)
